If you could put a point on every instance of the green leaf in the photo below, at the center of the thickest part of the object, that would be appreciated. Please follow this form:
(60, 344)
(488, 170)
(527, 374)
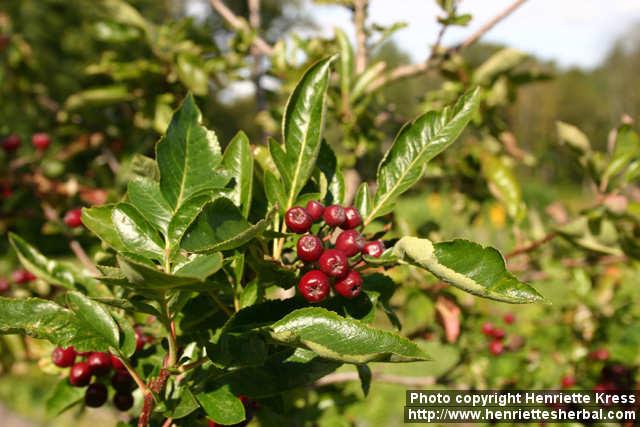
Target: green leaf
(94, 318)
(184, 217)
(191, 72)
(221, 227)
(332, 180)
(473, 268)
(99, 221)
(238, 160)
(49, 270)
(499, 63)
(188, 156)
(145, 167)
(96, 97)
(363, 200)
(145, 195)
(200, 266)
(222, 406)
(417, 143)
(504, 185)
(63, 397)
(149, 277)
(573, 137)
(137, 235)
(334, 337)
(627, 148)
(302, 128)
(346, 64)
(274, 189)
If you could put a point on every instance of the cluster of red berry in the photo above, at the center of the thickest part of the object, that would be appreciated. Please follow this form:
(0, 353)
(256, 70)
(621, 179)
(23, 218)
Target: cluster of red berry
(40, 141)
(98, 365)
(18, 277)
(496, 334)
(330, 264)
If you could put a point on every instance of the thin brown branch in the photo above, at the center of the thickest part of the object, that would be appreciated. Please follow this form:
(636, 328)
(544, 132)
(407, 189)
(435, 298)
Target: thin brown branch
(343, 377)
(359, 19)
(531, 246)
(82, 256)
(238, 23)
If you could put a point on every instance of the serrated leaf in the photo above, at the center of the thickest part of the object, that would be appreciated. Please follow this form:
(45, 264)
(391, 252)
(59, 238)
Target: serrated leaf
(500, 62)
(332, 180)
(149, 277)
(504, 185)
(238, 160)
(467, 265)
(145, 195)
(184, 217)
(221, 227)
(95, 318)
(334, 337)
(136, 234)
(200, 266)
(302, 128)
(188, 156)
(222, 406)
(417, 143)
(63, 397)
(127, 335)
(98, 220)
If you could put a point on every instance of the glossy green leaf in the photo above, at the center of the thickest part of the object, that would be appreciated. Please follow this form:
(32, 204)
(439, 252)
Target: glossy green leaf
(274, 189)
(504, 185)
(363, 200)
(98, 220)
(302, 128)
(145, 195)
(417, 143)
(332, 181)
(63, 397)
(136, 234)
(188, 156)
(346, 64)
(222, 406)
(221, 227)
(145, 276)
(145, 167)
(238, 160)
(200, 266)
(184, 217)
(627, 149)
(95, 318)
(467, 265)
(337, 338)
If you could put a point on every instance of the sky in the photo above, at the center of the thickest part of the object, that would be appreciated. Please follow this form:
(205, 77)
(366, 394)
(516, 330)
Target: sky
(570, 32)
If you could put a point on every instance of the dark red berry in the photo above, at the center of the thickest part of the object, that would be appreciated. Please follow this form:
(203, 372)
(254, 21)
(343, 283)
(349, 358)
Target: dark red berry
(334, 263)
(315, 209)
(509, 318)
(314, 286)
(353, 218)
(100, 363)
(568, 381)
(96, 395)
(600, 354)
(117, 364)
(73, 218)
(41, 140)
(80, 374)
(350, 242)
(123, 401)
(140, 339)
(334, 215)
(487, 328)
(63, 357)
(373, 249)
(496, 347)
(11, 142)
(350, 286)
(4, 285)
(309, 248)
(122, 381)
(6, 191)
(497, 333)
(22, 276)
(298, 220)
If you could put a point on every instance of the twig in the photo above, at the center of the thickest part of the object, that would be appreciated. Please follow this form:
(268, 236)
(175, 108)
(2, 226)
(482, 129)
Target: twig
(343, 377)
(168, 422)
(531, 246)
(359, 19)
(238, 23)
(79, 252)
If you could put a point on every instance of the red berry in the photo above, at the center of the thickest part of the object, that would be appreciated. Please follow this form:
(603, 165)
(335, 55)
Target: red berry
(212, 423)
(353, 218)
(334, 215)
(315, 209)
(309, 248)
(123, 401)
(487, 328)
(6, 191)
(11, 142)
(73, 218)
(140, 339)
(63, 357)
(568, 381)
(96, 395)
(350, 242)
(100, 363)
(498, 333)
(496, 347)
(4, 285)
(80, 374)
(334, 263)
(21, 276)
(41, 140)
(298, 220)
(314, 286)
(600, 354)
(117, 364)
(509, 318)
(122, 381)
(350, 286)
(373, 249)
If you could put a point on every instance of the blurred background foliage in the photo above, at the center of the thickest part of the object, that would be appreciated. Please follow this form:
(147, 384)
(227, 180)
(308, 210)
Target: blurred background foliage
(102, 78)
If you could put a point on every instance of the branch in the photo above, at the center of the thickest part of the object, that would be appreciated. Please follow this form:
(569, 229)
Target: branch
(82, 256)
(359, 18)
(531, 246)
(343, 377)
(238, 23)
